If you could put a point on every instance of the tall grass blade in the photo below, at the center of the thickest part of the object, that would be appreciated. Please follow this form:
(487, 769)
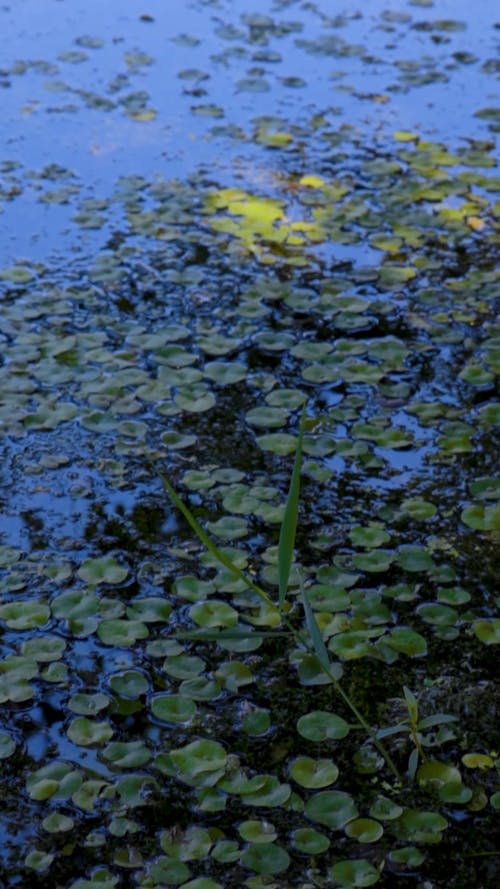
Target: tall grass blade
(319, 646)
(289, 523)
(210, 545)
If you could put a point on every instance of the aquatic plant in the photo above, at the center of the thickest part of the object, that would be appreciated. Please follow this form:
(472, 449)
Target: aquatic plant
(313, 639)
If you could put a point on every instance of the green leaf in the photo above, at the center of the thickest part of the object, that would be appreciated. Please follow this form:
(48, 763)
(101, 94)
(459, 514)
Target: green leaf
(319, 725)
(266, 859)
(314, 773)
(210, 545)
(333, 808)
(354, 873)
(315, 634)
(289, 524)
(364, 830)
(102, 570)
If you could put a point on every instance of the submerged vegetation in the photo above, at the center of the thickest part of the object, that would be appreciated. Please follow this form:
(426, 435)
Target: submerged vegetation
(290, 688)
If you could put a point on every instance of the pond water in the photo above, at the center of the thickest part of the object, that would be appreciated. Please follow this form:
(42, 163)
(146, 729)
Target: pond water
(212, 212)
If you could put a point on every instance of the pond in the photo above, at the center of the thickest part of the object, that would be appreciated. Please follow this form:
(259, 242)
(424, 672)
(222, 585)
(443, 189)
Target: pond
(213, 213)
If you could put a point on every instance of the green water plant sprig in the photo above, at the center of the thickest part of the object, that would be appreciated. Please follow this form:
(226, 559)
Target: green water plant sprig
(312, 638)
(415, 727)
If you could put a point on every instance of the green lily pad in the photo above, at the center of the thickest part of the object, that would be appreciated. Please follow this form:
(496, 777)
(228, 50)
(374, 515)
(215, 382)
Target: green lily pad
(421, 826)
(120, 632)
(174, 708)
(7, 745)
(213, 613)
(257, 831)
(310, 841)
(129, 684)
(320, 725)
(354, 873)
(199, 758)
(127, 754)
(314, 773)
(406, 641)
(333, 808)
(266, 859)
(102, 570)
(86, 732)
(364, 830)
(487, 631)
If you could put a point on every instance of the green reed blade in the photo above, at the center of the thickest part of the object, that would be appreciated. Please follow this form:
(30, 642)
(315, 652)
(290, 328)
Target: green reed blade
(289, 523)
(210, 545)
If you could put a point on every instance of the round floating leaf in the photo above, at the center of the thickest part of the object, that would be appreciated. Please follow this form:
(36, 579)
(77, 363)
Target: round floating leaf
(310, 841)
(267, 417)
(364, 830)
(266, 859)
(124, 633)
(225, 373)
(88, 704)
(437, 615)
(150, 609)
(286, 398)
(408, 856)
(456, 793)
(44, 648)
(281, 443)
(85, 732)
(169, 871)
(333, 808)
(406, 641)
(418, 508)
(213, 613)
(370, 536)
(102, 570)
(351, 874)
(173, 708)
(129, 684)
(314, 773)
(437, 773)
(376, 561)
(478, 761)
(350, 645)
(183, 666)
(256, 722)
(228, 528)
(257, 831)
(319, 725)
(414, 558)
(127, 754)
(199, 757)
(7, 745)
(420, 826)
(385, 809)
(265, 791)
(453, 595)
(39, 861)
(226, 852)
(25, 615)
(57, 823)
(487, 631)
(495, 801)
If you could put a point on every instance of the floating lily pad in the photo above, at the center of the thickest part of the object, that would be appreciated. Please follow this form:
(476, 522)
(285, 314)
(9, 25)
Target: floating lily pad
(266, 859)
(319, 725)
(354, 873)
(102, 570)
(333, 808)
(174, 708)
